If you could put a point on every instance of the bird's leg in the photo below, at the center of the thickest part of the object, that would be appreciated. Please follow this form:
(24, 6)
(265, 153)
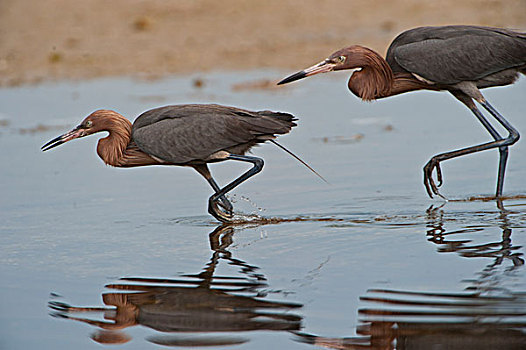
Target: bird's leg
(513, 136)
(503, 151)
(224, 202)
(205, 172)
(434, 163)
(212, 202)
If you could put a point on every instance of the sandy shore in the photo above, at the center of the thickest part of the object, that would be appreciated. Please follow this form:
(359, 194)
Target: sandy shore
(67, 39)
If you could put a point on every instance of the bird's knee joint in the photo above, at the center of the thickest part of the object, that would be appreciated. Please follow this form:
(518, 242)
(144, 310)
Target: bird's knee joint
(258, 163)
(431, 162)
(514, 137)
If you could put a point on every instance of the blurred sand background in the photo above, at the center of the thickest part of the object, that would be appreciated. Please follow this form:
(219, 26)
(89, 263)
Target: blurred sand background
(69, 39)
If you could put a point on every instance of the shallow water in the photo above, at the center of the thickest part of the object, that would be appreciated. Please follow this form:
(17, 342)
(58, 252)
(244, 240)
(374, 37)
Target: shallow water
(365, 260)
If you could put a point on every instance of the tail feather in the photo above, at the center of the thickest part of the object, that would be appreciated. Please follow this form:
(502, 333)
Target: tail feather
(286, 117)
(287, 122)
(300, 160)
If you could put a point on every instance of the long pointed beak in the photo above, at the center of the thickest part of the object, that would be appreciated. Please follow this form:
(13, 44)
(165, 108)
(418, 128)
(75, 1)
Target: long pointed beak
(57, 141)
(322, 67)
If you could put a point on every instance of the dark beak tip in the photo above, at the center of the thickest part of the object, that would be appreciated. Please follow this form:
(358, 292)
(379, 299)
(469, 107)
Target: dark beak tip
(57, 141)
(293, 77)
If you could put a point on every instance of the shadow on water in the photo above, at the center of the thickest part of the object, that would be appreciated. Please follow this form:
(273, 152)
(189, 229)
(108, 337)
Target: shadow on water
(497, 251)
(419, 320)
(196, 304)
(187, 309)
(486, 315)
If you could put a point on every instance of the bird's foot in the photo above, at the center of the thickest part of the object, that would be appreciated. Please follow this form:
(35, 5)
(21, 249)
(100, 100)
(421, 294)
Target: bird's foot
(225, 204)
(222, 215)
(429, 183)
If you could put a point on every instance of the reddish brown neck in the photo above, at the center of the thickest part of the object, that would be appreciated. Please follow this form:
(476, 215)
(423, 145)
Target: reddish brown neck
(118, 148)
(112, 147)
(376, 79)
(405, 82)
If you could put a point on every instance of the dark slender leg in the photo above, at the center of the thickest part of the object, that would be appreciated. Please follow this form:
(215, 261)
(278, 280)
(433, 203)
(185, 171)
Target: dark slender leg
(503, 151)
(224, 202)
(513, 137)
(502, 144)
(502, 170)
(205, 172)
(212, 201)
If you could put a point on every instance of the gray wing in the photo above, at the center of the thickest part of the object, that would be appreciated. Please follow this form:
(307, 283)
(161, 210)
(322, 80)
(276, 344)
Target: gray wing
(451, 54)
(183, 133)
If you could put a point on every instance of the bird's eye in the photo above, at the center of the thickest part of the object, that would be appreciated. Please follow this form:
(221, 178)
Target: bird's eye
(89, 124)
(341, 59)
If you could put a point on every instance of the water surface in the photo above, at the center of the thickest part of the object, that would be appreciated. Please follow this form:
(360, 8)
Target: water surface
(92, 254)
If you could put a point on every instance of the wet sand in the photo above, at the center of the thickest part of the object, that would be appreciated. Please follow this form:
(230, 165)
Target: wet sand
(60, 39)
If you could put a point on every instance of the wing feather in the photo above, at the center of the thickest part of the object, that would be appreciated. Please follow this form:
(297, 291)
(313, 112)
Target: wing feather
(451, 54)
(184, 133)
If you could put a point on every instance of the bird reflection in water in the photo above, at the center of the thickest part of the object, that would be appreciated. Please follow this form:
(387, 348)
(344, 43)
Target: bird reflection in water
(192, 303)
(498, 251)
(487, 315)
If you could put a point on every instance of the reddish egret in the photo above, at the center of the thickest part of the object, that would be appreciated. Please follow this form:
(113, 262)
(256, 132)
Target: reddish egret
(458, 59)
(185, 135)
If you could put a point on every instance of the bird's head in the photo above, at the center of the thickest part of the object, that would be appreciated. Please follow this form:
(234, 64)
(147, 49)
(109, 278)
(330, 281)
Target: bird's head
(93, 123)
(347, 58)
